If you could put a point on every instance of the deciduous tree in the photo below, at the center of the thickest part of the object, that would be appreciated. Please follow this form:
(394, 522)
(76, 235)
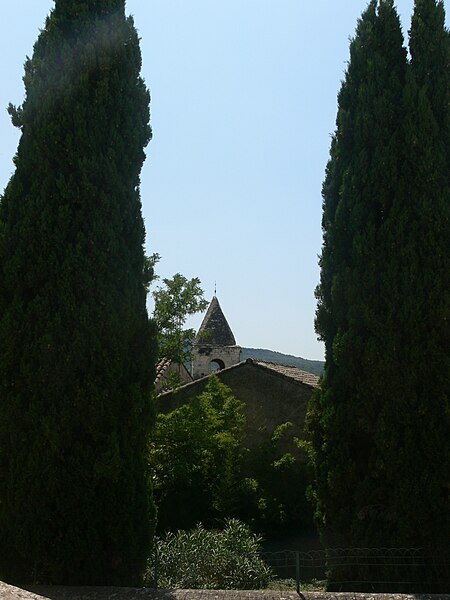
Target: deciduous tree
(195, 455)
(177, 299)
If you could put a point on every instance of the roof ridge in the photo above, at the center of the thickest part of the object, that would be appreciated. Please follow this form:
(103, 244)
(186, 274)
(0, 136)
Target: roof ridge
(305, 377)
(310, 380)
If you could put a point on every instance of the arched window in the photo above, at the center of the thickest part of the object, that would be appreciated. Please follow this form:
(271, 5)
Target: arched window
(216, 365)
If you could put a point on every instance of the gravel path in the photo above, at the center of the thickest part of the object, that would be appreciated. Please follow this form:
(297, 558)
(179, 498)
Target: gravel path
(8, 592)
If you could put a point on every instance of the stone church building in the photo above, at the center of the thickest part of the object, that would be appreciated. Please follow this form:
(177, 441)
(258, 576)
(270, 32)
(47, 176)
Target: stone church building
(272, 393)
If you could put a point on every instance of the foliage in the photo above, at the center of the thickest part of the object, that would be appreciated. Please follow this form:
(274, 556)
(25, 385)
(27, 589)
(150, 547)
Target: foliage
(197, 559)
(149, 274)
(195, 454)
(174, 302)
(379, 423)
(77, 348)
(273, 490)
(203, 472)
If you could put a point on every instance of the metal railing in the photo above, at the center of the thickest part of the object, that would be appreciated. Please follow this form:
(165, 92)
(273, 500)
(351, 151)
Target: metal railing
(402, 570)
(392, 570)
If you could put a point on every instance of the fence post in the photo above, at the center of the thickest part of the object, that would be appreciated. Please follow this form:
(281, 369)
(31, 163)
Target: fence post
(297, 570)
(155, 573)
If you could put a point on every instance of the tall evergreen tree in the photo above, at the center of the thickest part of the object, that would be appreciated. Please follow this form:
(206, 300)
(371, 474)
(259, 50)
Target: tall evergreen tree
(414, 427)
(358, 193)
(378, 422)
(429, 46)
(76, 346)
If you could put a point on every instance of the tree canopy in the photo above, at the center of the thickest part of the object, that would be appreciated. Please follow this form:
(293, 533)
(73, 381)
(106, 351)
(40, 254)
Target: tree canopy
(175, 300)
(195, 457)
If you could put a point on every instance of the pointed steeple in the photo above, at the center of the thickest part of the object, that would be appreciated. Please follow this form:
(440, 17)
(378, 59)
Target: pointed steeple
(214, 330)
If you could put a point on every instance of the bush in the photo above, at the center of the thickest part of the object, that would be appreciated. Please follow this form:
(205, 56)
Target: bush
(203, 559)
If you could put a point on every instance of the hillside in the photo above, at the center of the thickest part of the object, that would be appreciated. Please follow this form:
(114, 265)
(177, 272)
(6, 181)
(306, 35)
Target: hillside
(312, 366)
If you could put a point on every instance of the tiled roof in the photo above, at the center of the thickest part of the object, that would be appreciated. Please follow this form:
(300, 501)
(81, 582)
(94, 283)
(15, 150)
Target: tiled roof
(214, 330)
(291, 372)
(161, 367)
(297, 375)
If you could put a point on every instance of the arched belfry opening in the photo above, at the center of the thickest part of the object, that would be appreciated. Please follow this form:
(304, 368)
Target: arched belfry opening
(216, 365)
(214, 347)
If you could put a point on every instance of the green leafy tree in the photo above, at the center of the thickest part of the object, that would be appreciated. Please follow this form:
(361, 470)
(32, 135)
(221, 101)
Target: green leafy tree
(177, 299)
(273, 490)
(378, 423)
(76, 346)
(195, 455)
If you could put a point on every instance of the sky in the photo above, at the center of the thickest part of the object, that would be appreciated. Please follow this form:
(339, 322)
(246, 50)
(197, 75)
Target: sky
(243, 108)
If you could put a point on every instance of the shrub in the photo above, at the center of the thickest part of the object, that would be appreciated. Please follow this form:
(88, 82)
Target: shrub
(210, 559)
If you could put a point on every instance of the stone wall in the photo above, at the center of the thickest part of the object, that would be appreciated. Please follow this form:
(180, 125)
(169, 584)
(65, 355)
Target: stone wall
(270, 399)
(203, 355)
(8, 592)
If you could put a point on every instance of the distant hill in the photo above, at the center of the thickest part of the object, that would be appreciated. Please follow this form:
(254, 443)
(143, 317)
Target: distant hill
(312, 366)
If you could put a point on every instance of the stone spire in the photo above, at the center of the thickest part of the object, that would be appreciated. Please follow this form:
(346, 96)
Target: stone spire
(214, 330)
(215, 346)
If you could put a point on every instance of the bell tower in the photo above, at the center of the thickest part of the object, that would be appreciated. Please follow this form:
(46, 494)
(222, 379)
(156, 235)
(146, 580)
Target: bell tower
(214, 347)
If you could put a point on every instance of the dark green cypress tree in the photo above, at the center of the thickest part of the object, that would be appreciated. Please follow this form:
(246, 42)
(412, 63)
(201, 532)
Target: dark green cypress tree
(379, 420)
(429, 45)
(413, 426)
(76, 347)
(358, 193)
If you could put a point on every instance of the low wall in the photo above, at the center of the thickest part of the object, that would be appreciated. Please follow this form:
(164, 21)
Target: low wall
(8, 592)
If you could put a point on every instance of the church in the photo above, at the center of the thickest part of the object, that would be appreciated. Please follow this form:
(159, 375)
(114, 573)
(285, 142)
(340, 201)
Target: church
(272, 393)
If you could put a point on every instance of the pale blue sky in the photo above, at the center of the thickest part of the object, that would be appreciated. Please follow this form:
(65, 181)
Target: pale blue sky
(243, 105)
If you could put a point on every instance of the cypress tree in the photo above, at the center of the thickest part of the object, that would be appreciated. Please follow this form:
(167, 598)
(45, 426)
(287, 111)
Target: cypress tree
(379, 421)
(429, 46)
(358, 193)
(77, 349)
(414, 426)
